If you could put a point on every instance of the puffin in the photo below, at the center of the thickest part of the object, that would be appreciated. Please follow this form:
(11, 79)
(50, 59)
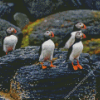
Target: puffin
(47, 49)
(10, 41)
(66, 42)
(76, 49)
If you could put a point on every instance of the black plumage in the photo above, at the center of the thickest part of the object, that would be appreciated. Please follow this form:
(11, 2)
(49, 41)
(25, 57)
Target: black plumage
(66, 38)
(76, 28)
(63, 41)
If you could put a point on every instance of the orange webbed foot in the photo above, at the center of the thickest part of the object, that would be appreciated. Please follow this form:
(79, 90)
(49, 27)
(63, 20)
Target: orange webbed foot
(44, 67)
(75, 67)
(79, 66)
(52, 65)
(6, 53)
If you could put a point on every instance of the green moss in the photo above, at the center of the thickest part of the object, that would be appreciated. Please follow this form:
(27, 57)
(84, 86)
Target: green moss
(28, 30)
(96, 14)
(93, 49)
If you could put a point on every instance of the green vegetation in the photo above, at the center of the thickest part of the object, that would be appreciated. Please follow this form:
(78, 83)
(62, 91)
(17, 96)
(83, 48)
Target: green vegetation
(27, 30)
(92, 46)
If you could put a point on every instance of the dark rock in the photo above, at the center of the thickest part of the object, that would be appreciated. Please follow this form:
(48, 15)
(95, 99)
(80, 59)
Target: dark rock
(36, 39)
(13, 61)
(96, 66)
(3, 27)
(21, 19)
(37, 9)
(6, 11)
(31, 81)
(62, 24)
(51, 83)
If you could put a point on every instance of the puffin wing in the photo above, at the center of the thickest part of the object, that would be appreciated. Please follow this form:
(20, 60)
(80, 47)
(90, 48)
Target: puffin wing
(64, 40)
(69, 52)
(40, 50)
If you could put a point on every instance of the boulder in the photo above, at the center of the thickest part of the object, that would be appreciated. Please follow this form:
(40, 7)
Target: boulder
(3, 27)
(37, 9)
(42, 8)
(97, 74)
(13, 61)
(53, 83)
(62, 24)
(7, 11)
(27, 80)
(21, 19)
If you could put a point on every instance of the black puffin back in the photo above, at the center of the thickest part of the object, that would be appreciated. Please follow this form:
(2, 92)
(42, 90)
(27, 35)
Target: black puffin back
(69, 52)
(76, 29)
(64, 40)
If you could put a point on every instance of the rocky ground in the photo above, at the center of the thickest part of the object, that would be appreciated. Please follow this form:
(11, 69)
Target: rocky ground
(25, 79)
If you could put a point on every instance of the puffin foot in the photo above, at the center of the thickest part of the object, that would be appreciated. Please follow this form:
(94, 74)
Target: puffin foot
(52, 65)
(75, 67)
(6, 53)
(44, 67)
(79, 66)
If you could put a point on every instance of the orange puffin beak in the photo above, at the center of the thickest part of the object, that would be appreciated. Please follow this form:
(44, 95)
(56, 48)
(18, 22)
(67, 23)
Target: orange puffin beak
(14, 31)
(83, 36)
(52, 34)
(84, 26)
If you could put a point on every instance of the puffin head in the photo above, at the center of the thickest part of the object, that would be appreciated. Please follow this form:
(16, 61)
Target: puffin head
(11, 30)
(49, 34)
(80, 35)
(78, 26)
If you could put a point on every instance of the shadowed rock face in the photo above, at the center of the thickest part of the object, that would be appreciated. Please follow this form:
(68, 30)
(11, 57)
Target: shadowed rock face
(62, 24)
(35, 9)
(3, 27)
(30, 81)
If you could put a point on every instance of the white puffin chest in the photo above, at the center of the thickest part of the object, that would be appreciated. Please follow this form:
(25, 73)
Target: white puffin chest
(47, 50)
(48, 46)
(77, 49)
(9, 43)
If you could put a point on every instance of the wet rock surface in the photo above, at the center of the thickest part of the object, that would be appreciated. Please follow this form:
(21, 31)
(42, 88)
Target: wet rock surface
(3, 27)
(31, 81)
(62, 24)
